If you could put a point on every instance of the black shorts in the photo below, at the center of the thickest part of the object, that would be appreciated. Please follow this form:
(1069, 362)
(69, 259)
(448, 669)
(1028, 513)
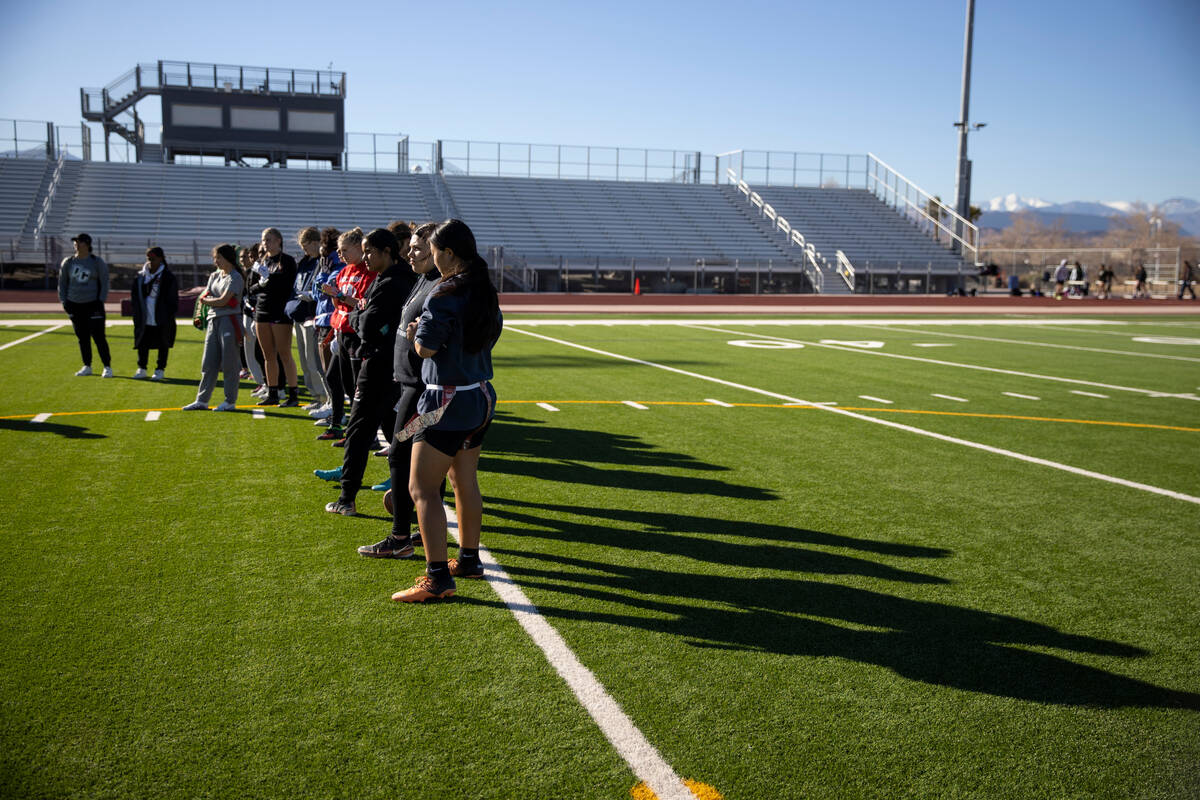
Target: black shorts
(450, 442)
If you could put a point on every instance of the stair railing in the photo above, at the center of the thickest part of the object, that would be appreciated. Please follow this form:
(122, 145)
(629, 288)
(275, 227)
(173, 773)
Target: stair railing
(845, 269)
(48, 200)
(914, 203)
(810, 258)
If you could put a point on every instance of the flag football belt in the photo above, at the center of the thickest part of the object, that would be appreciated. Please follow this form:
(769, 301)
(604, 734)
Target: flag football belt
(420, 422)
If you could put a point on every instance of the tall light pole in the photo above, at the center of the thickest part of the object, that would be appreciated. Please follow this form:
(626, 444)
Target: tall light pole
(962, 183)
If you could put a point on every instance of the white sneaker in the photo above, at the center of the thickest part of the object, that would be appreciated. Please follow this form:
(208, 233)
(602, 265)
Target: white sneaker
(260, 390)
(157, 376)
(226, 406)
(196, 406)
(324, 412)
(108, 373)
(141, 373)
(86, 369)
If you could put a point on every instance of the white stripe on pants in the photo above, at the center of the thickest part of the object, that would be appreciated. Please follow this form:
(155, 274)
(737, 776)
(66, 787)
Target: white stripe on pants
(220, 355)
(310, 359)
(248, 344)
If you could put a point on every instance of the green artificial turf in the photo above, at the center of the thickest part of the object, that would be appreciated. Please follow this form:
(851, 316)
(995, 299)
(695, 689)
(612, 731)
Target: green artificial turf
(788, 602)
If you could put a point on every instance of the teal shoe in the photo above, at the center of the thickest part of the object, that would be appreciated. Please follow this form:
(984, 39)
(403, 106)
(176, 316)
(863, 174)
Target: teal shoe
(382, 487)
(329, 474)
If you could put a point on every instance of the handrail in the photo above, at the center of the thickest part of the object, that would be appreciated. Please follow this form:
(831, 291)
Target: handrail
(48, 200)
(845, 269)
(892, 182)
(812, 269)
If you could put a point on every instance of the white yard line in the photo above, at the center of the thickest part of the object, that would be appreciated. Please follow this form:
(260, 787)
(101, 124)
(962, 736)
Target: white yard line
(1045, 344)
(152, 416)
(41, 418)
(32, 336)
(888, 423)
(547, 407)
(258, 413)
(1021, 396)
(874, 399)
(939, 362)
(720, 403)
(638, 406)
(1089, 394)
(823, 322)
(951, 397)
(630, 743)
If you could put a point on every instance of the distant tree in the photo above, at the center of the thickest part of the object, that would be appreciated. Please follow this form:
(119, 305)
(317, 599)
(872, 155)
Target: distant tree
(974, 213)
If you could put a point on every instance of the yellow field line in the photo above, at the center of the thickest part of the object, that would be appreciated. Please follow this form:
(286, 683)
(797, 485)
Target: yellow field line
(875, 409)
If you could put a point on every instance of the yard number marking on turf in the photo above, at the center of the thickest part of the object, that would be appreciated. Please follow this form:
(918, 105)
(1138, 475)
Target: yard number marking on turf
(152, 416)
(886, 422)
(547, 407)
(258, 413)
(874, 399)
(1091, 394)
(1021, 396)
(638, 406)
(40, 418)
(1019, 374)
(32, 336)
(630, 743)
(1056, 345)
(951, 397)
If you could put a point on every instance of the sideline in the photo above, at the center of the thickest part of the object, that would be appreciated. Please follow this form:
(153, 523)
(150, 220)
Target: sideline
(33, 336)
(630, 743)
(939, 362)
(908, 428)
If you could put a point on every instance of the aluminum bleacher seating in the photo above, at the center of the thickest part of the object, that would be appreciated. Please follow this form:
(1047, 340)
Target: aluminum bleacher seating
(21, 183)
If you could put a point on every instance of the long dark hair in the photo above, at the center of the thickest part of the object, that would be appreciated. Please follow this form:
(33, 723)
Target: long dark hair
(383, 239)
(481, 325)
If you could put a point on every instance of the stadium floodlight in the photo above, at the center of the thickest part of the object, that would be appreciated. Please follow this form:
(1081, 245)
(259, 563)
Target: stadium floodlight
(962, 183)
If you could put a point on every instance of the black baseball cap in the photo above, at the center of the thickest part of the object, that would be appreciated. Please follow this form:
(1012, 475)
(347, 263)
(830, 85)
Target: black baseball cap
(83, 237)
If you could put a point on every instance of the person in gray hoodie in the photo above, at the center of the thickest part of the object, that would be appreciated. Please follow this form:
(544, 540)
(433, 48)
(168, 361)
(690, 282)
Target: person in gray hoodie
(82, 290)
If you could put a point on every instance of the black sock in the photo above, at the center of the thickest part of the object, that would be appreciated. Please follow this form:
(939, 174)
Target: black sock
(468, 554)
(439, 571)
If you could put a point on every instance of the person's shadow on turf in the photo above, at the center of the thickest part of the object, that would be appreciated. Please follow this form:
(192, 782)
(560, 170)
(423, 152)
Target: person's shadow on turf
(57, 428)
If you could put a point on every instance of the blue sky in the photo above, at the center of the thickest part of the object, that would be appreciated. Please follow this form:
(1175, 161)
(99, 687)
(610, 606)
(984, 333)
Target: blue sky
(1083, 100)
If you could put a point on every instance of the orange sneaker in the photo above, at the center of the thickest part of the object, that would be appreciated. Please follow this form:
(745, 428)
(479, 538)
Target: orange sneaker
(425, 589)
(465, 568)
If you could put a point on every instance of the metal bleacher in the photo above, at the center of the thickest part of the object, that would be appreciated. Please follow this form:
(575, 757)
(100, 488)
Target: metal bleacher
(856, 222)
(21, 184)
(545, 218)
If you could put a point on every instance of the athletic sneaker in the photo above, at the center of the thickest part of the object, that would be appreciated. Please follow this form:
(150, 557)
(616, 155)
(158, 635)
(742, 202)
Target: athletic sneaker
(466, 568)
(391, 547)
(322, 423)
(140, 374)
(382, 487)
(321, 412)
(196, 406)
(426, 589)
(226, 406)
(269, 400)
(291, 401)
(383, 451)
(243, 375)
(332, 433)
(108, 373)
(260, 390)
(313, 406)
(339, 443)
(85, 370)
(329, 474)
(158, 375)
(339, 507)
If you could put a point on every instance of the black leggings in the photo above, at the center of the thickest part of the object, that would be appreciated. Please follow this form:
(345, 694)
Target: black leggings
(341, 375)
(374, 407)
(88, 321)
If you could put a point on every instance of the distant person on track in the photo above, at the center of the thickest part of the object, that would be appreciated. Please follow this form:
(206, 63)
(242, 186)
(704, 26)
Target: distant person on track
(302, 310)
(223, 332)
(1139, 288)
(454, 335)
(1060, 279)
(1104, 280)
(1186, 280)
(375, 392)
(406, 372)
(154, 302)
(273, 290)
(82, 290)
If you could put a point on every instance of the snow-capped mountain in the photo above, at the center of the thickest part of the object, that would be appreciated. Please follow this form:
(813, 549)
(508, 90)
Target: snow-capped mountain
(1082, 216)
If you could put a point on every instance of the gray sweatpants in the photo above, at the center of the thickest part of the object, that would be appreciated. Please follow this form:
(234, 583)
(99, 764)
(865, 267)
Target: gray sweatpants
(220, 355)
(310, 359)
